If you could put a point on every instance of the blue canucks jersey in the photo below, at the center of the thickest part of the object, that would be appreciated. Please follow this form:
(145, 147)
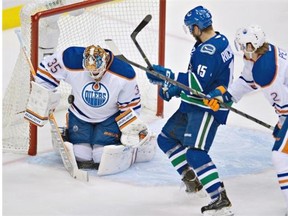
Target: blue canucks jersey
(211, 65)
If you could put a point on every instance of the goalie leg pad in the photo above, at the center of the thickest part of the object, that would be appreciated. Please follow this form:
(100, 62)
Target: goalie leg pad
(147, 150)
(115, 159)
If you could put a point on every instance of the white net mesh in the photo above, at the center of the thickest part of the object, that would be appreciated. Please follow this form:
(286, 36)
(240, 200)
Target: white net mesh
(115, 20)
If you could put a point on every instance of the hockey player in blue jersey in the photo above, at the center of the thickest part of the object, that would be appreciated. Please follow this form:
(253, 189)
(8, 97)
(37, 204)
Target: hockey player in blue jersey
(265, 68)
(106, 99)
(187, 136)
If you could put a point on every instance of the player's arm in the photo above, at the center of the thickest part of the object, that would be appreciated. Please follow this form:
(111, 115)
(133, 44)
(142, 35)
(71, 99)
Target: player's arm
(44, 97)
(51, 71)
(49, 29)
(130, 125)
(242, 86)
(41, 103)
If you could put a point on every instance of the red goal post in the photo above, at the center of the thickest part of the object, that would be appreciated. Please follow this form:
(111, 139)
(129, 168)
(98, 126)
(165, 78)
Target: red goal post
(95, 21)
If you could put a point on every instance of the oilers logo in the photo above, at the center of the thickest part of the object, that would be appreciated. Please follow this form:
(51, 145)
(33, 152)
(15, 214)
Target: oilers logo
(95, 94)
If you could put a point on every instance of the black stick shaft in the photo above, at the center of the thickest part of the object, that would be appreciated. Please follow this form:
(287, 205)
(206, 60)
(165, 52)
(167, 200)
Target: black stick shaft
(139, 28)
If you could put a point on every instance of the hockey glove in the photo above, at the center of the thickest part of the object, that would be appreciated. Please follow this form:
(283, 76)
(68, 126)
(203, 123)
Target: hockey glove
(169, 91)
(219, 94)
(131, 128)
(161, 70)
(276, 130)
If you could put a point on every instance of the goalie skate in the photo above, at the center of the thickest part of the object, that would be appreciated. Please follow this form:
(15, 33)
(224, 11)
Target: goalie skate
(219, 207)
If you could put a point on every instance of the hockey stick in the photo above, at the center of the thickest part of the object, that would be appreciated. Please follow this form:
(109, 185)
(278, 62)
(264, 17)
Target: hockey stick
(68, 164)
(118, 54)
(143, 23)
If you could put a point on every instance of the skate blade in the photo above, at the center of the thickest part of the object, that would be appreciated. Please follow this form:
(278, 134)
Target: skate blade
(221, 212)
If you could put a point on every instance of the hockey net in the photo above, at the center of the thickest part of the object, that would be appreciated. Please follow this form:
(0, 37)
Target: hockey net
(80, 23)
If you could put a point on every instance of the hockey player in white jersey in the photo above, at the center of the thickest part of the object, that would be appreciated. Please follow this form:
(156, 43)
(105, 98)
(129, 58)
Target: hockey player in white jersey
(106, 100)
(265, 68)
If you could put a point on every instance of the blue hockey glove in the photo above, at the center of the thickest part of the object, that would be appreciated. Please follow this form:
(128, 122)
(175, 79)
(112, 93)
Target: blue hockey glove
(161, 70)
(169, 91)
(276, 130)
(219, 94)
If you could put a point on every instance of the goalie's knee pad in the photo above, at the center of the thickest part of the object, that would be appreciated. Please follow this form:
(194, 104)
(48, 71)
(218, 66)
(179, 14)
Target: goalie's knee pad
(83, 151)
(97, 153)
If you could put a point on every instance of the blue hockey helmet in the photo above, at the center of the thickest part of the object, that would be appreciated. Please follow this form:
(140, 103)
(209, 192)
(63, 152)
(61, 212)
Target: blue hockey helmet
(199, 16)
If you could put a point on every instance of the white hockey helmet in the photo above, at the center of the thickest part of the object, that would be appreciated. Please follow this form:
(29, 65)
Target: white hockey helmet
(252, 34)
(95, 61)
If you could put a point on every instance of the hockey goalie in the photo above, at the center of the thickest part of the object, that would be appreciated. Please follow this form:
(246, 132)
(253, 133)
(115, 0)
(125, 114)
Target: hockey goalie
(103, 126)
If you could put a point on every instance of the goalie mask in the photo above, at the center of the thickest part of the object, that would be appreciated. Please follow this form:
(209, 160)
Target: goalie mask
(95, 61)
(252, 34)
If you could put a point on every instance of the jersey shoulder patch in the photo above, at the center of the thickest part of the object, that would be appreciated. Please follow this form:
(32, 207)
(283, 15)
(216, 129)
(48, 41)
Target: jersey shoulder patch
(265, 68)
(208, 48)
(73, 57)
(122, 68)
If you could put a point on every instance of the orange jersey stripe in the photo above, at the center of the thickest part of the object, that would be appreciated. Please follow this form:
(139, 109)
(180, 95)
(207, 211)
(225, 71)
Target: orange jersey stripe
(285, 149)
(47, 74)
(283, 181)
(129, 105)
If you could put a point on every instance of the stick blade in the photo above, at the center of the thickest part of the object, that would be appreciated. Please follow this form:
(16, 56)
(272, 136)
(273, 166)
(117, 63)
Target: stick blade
(112, 46)
(115, 50)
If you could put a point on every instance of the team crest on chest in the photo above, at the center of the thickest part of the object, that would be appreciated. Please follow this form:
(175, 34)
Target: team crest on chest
(95, 95)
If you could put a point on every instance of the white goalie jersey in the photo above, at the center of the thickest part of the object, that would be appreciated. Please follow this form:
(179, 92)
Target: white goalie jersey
(93, 101)
(270, 73)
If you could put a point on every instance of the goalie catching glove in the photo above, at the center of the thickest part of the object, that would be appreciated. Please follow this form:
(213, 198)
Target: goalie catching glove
(42, 102)
(134, 131)
(219, 94)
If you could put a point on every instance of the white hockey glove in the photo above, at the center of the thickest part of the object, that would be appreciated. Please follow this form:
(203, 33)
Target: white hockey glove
(41, 103)
(132, 129)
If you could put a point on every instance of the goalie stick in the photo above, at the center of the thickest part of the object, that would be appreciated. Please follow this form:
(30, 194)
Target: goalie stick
(68, 162)
(119, 55)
